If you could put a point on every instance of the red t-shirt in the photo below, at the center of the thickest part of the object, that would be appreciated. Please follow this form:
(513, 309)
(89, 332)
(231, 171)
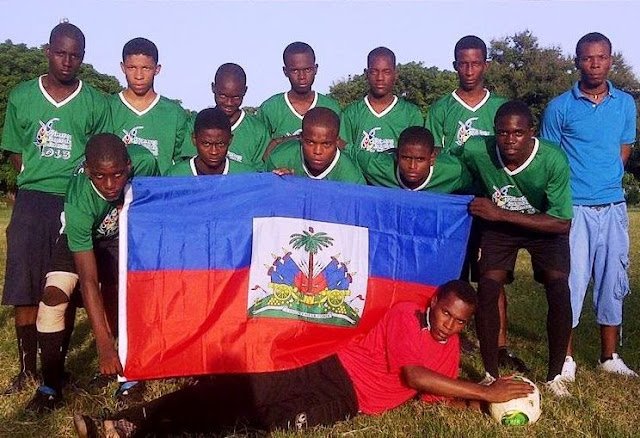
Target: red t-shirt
(374, 361)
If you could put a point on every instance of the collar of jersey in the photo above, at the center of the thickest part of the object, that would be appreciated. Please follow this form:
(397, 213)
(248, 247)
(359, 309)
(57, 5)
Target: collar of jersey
(192, 164)
(135, 111)
(240, 119)
(421, 186)
(383, 112)
(51, 100)
(487, 94)
(536, 145)
(327, 170)
(293, 110)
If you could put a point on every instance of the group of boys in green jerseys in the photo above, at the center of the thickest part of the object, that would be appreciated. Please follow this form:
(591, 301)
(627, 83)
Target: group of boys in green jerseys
(381, 140)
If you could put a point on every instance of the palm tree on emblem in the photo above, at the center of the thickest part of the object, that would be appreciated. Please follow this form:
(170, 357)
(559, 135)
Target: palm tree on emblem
(312, 242)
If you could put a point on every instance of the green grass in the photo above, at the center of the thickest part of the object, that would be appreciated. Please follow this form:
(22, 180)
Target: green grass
(602, 405)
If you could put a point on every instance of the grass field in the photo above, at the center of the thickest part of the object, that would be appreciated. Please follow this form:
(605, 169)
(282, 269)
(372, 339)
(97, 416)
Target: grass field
(603, 405)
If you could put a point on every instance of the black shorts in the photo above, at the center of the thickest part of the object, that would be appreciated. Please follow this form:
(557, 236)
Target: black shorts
(31, 236)
(106, 253)
(499, 245)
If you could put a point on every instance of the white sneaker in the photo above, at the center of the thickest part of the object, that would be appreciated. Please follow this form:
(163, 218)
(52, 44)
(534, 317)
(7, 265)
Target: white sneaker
(488, 380)
(568, 372)
(616, 365)
(558, 386)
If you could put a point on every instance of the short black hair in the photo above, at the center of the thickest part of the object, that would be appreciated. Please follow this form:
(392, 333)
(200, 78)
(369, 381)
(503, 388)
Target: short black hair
(381, 52)
(416, 135)
(230, 70)
(460, 289)
(470, 42)
(296, 48)
(593, 37)
(211, 118)
(68, 30)
(105, 148)
(515, 108)
(320, 116)
(140, 46)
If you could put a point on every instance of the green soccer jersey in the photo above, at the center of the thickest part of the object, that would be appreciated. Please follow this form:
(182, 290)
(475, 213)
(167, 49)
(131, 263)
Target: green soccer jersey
(281, 118)
(447, 175)
(250, 140)
(361, 126)
(188, 168)
(161, 127)
(289, 155)
(452, 122)
(88, 215)
(539, 185)
(51, 136)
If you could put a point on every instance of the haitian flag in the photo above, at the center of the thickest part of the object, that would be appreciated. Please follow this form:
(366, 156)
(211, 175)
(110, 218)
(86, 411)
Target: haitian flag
(256, 272)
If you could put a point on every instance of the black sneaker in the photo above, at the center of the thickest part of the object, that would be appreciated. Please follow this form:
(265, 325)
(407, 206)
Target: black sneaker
(88, 427)
(130, 392)
(507, 359)
(45, 399)
(19, 383)
(101, 381)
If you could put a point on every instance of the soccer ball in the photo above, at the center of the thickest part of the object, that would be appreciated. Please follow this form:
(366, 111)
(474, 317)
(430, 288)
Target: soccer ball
(519, 411)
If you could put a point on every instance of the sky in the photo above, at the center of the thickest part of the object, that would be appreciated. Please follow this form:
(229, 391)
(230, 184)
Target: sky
(195, 37)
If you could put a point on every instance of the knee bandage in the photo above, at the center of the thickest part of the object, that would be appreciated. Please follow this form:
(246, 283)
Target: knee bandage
(51, 318)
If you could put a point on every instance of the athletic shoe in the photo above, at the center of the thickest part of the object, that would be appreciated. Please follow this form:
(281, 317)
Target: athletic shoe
(19, 383)
(88, 427)
(616, 365)
(101, 381)
(488, 380)
(568, 372)
(45, 399)
(130, 392)
(507, 359)
(558, 386)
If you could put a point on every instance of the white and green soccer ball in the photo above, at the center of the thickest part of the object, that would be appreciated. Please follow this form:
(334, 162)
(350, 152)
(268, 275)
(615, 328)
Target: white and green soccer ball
(519, 411)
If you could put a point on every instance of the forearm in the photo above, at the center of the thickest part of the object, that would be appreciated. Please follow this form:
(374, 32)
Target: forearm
(16, 161)
(540, 222)
(625, 153)
(430, 382)
(94, 306)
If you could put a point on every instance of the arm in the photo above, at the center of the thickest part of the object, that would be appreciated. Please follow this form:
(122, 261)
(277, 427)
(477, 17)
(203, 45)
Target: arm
(16, 161)
(625, 153)
(275, 142)
(540, 222)
(425, 380)
(88, 272)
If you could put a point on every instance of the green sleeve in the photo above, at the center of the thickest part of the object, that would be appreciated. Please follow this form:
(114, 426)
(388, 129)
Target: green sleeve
(269, 165)
(346, 126)
(263, 115)
(434, 122)
(187, 148)
(181, 132)
(262, 141)
(102, 118)
(143, 163)
(558, 189)
(13, 136)
(78, 228)
(416, 118)
(466, 180)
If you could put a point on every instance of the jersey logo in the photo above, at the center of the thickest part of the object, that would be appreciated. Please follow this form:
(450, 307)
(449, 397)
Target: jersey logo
(466, 131)
(294, 133)
(503, 199)
(235, 157)
(371, 143)
(131, 137)
(109, 225)
(306, 278)
(51, 143)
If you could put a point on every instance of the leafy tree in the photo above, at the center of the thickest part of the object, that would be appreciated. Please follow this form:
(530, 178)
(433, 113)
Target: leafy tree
(312, 243)
(19, 63)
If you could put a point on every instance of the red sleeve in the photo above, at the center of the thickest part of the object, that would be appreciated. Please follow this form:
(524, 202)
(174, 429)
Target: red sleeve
(404, 345)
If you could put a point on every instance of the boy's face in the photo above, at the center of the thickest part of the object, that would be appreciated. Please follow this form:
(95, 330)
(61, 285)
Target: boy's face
(319, 146)
(228, 94)
(515, 138)
(108, 177)
(300, 69)
(65, 58)
(381, 76)
(470, 65)
(594, 63)
(448, 316)
(212, 145)
(414, 163)
(140, 71)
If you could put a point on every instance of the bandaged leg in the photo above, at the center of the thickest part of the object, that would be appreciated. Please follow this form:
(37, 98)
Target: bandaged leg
(51, 326)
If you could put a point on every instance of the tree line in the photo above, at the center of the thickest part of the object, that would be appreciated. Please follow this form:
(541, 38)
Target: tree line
(520, 69)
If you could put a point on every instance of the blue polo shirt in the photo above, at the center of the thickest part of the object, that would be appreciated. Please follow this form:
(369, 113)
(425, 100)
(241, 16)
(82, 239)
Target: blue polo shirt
(591, 135)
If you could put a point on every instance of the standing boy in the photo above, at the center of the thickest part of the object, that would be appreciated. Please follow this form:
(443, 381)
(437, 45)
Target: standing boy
(212, 138)
(47, 124)
(595, 123)
(375, 122)
(139, 114)
(282, 113)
